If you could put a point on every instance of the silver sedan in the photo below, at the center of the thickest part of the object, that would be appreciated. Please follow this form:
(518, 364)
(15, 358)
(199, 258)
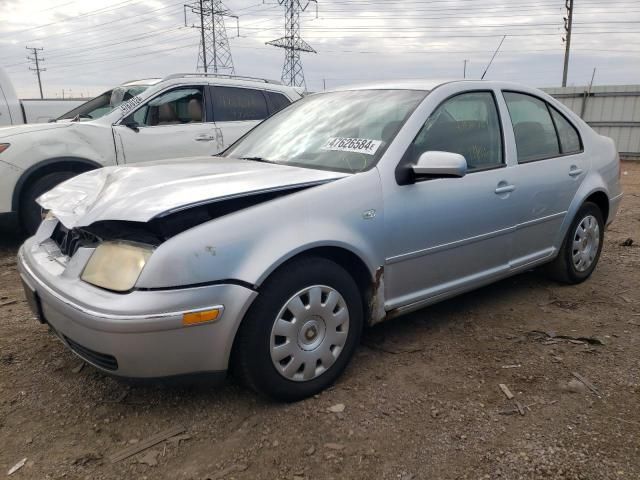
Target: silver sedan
(345, 209)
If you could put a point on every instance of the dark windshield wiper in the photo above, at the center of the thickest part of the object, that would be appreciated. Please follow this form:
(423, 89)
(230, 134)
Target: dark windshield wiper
(257, 159)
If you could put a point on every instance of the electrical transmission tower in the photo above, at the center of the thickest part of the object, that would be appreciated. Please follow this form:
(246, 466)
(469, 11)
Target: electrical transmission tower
(292, 43)
(568, 21)
(215, 52)
(36, 61)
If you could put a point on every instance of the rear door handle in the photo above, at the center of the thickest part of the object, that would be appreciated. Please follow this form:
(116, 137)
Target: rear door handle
(505, 189)
(205, 138)
(574, 171)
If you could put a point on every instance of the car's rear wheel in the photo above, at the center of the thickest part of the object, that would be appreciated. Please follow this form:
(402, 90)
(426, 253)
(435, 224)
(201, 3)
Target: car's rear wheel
(581, 247)
(301, 331)
(30, 211)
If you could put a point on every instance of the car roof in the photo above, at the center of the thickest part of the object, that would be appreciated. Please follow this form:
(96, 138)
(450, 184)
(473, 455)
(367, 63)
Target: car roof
(409, 84)
(220, 79)
(143, 81)
(430, 84)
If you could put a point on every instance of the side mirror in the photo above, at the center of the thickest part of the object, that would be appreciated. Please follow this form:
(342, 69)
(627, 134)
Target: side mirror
(439, 165)
(133, 125)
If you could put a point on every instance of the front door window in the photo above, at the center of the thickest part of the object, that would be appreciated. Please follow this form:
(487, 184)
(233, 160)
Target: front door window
(179, 106)
(467, 124)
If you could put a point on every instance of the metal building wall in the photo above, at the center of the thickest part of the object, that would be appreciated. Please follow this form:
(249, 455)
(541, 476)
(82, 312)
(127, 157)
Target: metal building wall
(612, 110)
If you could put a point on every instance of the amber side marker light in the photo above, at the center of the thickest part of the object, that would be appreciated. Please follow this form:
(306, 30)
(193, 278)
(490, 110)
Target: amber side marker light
(204, 316)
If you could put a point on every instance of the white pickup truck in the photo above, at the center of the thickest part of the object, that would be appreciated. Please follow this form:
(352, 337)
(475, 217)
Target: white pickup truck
(182, 115)
(14, 111)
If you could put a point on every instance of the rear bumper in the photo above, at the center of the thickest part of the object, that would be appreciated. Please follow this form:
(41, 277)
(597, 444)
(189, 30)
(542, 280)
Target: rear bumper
(614, 205)
(138, 334)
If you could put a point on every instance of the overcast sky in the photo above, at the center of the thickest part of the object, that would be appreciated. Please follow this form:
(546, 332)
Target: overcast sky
(90, 46)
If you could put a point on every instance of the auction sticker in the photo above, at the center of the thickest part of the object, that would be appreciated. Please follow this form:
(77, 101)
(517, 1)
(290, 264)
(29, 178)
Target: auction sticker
(355, 145)
(130, 104)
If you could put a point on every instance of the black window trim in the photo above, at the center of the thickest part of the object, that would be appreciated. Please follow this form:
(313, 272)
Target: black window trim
(406, 161)
(205, 98)
(267, 104)
(549, 106)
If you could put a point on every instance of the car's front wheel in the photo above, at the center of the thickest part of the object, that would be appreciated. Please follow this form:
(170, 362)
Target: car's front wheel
(301, 331)
(581, 248)
(30, 211)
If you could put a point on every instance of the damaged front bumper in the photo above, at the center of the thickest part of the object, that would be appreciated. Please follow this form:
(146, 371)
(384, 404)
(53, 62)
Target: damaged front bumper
(137, 334)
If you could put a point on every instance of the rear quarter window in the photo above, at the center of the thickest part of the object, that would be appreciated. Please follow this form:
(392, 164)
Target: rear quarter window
(277, 101)
(569, 137)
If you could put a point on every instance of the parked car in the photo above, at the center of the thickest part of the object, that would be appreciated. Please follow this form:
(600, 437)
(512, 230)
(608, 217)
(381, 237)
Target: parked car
(346, 209)
(14, 111)
(182, 115)
(107, 101)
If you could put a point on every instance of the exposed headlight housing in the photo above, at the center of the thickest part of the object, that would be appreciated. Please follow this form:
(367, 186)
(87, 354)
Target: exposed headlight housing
(116, 265)
(4, 146)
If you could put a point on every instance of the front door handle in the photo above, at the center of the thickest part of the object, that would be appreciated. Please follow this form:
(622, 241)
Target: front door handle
(505, 189)
(205, 138)
(574, 171)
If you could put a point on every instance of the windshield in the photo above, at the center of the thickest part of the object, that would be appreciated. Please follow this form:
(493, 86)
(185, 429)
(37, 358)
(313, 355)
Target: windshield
(340, 131)
(103, 104)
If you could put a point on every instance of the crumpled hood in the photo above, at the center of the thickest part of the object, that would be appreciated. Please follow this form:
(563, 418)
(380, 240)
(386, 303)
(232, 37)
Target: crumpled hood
(141, 192)
(30, 127)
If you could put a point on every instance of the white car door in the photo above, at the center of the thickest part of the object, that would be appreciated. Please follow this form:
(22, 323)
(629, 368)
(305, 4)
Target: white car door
(175, 124)
(236, 110)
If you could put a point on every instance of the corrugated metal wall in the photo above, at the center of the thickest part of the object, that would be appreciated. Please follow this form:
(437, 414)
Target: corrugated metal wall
(612, 110)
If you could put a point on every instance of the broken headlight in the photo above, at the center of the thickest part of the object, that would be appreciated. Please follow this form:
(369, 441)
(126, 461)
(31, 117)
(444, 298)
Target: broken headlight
(116, 265)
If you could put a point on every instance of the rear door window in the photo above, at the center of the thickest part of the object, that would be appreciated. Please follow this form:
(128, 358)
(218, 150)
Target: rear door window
(533, 127)
(232, 104)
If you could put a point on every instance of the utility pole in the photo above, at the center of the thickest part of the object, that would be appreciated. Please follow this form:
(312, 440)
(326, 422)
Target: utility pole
(36, 60)
(464, 71)
(568, 22)
(202, 42)
(292, 43)
(214, 52)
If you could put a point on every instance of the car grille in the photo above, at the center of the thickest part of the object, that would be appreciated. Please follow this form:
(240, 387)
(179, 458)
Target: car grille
(103, 360)
(68, 241)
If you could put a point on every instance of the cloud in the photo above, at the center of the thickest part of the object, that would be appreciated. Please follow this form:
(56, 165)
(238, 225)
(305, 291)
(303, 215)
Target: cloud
(90, 46)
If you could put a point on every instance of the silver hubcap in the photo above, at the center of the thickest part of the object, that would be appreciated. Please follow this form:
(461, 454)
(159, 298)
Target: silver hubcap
(586, 241)
(309, 333)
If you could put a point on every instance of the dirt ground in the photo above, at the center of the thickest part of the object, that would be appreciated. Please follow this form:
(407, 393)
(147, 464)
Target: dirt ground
(421, 397)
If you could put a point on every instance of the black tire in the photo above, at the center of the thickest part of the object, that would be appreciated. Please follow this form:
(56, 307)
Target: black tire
(562, 268)
(252, 361)
(30, 211)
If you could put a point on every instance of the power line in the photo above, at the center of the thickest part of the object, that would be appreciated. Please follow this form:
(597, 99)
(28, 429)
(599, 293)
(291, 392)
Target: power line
(292, 42)
(75, 17)
(36, 60)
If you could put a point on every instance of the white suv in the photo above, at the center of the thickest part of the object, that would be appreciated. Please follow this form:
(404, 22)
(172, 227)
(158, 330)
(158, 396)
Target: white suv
(182, 115)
